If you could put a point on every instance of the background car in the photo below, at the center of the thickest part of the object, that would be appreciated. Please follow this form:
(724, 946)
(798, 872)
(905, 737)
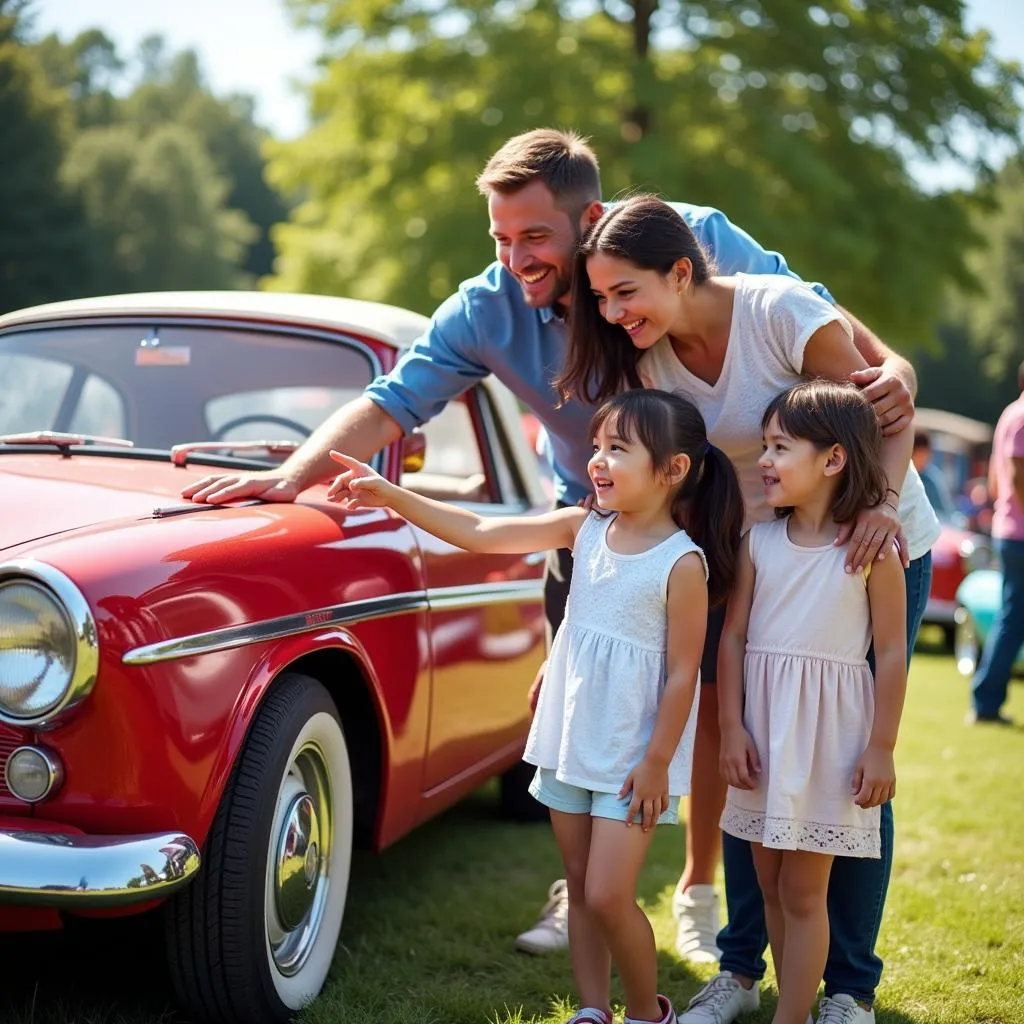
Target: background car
(979, 598)
(957, 552)
(204, 708)
(956, 448)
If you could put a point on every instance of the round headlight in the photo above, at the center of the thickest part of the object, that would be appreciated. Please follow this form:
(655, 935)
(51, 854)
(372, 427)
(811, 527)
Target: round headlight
(49, 650)
(33, 773)
(38, 649)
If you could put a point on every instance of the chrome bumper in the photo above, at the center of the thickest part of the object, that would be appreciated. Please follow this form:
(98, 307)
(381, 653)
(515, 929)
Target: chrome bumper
(66, 870)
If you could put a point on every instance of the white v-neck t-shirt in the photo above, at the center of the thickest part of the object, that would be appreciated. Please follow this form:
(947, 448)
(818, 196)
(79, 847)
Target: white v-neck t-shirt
(773, 318)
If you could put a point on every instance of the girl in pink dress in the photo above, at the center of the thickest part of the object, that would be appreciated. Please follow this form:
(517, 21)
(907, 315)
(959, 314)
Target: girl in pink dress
(807, 733)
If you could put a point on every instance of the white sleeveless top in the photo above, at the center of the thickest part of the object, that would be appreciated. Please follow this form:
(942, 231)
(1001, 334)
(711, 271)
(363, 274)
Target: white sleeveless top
(773, 318)
(606, 671)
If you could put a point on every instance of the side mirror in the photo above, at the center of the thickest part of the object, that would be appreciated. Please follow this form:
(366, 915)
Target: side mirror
(414, 451)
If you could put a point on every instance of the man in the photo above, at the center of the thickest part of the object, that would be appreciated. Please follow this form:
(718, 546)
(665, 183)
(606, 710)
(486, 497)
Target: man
(543, 191)
(935, 485)
(1006, 488)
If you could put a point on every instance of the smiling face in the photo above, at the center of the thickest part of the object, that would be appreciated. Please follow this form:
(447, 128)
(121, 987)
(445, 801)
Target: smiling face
(621, 470)
(643, 302)
(794, 470)
(536, 241)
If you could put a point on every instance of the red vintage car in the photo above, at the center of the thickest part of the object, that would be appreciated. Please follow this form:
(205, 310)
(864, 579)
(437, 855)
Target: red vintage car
(203, 708)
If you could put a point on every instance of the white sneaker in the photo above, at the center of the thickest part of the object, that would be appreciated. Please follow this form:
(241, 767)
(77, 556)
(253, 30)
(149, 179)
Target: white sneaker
(843, 1009)
(697, 923)
(551, 932)
(721, 1001)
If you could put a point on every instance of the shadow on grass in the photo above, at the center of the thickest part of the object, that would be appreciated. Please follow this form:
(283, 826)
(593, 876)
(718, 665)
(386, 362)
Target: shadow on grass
(428, 937)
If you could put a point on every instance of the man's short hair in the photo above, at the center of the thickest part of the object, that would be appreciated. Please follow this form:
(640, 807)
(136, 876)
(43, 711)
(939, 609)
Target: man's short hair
(562, 160)
(922, 439)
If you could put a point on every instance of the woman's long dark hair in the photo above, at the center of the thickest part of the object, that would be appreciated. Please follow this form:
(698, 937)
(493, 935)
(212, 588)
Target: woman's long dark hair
(709, 505)
(649, 234)
(826, 413)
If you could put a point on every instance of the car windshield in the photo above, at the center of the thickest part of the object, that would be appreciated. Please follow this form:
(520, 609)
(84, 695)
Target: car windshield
(162, 385)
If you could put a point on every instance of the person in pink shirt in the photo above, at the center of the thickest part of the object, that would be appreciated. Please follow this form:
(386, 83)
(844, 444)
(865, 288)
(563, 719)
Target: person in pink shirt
(1006, 486)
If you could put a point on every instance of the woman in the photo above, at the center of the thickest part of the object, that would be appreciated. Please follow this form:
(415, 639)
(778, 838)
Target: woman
(647, 310)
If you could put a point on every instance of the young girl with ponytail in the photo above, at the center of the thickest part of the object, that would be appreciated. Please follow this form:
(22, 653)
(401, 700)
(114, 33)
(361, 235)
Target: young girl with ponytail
(612, 738)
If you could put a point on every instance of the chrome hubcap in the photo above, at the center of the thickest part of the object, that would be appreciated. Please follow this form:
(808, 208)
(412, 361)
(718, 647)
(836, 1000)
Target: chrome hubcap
(298, 862)
(300, 850)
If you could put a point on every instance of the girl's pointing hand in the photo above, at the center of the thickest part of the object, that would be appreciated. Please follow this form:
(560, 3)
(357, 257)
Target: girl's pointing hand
(358, 486)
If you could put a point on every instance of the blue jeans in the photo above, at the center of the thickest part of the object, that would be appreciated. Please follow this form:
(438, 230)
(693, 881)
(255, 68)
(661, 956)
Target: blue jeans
(856, 889)
(991, 681)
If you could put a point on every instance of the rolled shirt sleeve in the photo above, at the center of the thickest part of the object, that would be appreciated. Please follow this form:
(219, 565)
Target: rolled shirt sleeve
(439, 366)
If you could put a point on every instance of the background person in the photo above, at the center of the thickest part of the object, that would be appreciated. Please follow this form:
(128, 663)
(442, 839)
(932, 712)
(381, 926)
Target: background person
(1006, 487)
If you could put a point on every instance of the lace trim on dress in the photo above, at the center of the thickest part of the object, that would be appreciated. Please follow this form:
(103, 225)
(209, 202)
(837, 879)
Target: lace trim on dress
(788, 834)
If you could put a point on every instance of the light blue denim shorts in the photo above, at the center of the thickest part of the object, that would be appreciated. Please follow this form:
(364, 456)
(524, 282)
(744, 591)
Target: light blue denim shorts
(560, 796)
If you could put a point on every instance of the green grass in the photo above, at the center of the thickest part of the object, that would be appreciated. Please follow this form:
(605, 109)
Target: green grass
(430, 924)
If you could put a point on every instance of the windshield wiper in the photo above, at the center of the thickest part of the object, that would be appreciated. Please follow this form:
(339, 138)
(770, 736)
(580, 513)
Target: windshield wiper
(181, 452)
(65, 441)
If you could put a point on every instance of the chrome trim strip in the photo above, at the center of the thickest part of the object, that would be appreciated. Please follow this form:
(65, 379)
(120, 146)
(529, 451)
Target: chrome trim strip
(60, 870)
(443, 599)
(87, 656)
(449, 599)
(274, 629)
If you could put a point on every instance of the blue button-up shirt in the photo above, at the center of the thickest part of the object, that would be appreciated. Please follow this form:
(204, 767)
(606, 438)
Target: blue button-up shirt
(487, 327)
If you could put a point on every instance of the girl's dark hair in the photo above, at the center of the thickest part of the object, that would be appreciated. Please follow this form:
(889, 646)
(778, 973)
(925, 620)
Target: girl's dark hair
(709, 505)
(826, 413)
(652, 236)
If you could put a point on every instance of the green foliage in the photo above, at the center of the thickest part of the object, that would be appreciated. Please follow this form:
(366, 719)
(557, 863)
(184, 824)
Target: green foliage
(44, 241)
(796, 120)
(983, 339)
(996, 316)
(171, 177)
(159, 204)
(173, 92)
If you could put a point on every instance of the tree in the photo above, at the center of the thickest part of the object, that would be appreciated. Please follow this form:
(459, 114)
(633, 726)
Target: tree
(175, 92)
(87, 69)
(160, 205)
(44, 240)
(982, 339)
(797, 120)
(171, 90)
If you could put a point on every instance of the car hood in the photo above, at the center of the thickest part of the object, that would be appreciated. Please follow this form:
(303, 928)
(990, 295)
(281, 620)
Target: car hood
(47, 494)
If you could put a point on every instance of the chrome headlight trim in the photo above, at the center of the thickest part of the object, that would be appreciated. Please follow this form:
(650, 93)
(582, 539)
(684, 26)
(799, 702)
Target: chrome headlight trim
(87, 648)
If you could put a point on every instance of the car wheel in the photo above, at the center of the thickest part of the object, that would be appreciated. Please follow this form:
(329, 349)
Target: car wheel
(516, 801)
(966, 647)
(251, 940)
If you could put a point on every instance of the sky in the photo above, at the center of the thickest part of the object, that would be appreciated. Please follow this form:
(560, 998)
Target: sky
(251, 46)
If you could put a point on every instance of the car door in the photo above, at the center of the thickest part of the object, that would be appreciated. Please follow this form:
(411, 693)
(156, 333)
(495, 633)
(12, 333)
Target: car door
(485, 611)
